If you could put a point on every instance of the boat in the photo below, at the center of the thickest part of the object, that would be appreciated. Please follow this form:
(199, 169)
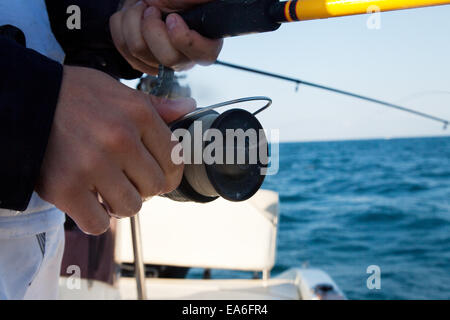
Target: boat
(240, 236)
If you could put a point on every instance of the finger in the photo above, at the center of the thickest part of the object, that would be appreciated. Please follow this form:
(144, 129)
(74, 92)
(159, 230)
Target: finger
(118, 192)
(172, 109)
(145, 173)
(187, 66)
(88, 213)
(132, 34)
(104, 204)
(121, 45)
(129, 3)
(202, 50)
(157, 139)
(157, 38)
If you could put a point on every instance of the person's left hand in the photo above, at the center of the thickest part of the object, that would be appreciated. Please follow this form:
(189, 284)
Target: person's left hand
(145, 40)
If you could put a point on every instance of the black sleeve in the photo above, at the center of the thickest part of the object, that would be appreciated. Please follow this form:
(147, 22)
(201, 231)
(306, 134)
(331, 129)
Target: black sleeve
(91, 45)
(29, 90)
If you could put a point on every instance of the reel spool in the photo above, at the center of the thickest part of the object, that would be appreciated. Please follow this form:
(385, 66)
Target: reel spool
(236, 181)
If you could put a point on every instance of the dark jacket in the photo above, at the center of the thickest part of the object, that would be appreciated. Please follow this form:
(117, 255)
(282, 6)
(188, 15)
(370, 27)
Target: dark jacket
(30, 84)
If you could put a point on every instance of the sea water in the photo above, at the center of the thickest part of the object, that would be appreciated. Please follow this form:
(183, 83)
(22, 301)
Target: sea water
(348, 205)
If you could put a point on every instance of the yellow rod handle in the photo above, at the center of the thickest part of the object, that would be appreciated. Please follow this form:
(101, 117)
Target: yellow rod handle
(320, 9)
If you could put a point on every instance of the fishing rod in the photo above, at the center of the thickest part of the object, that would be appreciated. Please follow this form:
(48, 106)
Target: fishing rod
(229, 18)
(338, 91)
(226, 18)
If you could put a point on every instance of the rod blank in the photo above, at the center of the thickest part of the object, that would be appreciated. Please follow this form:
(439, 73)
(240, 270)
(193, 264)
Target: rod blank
(301, 10)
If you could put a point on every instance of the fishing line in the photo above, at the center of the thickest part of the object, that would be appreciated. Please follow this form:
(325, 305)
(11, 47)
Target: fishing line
(338, 91)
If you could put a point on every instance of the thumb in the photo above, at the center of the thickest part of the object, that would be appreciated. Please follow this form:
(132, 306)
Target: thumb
(172, 109)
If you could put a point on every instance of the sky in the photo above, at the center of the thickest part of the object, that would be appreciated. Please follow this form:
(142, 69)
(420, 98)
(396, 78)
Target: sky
(406, 61)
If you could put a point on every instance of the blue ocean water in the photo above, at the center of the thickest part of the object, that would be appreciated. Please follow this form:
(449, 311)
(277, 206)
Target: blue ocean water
(351, 204)
(347, 205)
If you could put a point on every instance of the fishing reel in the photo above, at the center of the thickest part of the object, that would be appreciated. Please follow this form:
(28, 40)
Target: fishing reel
(237, 151)
(224, 154)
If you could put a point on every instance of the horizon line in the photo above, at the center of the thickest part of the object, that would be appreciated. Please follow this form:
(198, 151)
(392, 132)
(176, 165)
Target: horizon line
(368, 139)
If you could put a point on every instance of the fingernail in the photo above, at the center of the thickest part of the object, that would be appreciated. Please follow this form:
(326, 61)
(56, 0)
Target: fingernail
(149, 11)
(171, 21)
(138, 3)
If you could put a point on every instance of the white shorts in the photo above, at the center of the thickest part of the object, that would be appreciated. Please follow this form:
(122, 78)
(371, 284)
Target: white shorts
(30, 265)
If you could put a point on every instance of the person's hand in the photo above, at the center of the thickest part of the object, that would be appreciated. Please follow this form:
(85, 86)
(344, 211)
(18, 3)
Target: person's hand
(110, 141)
(145, 40)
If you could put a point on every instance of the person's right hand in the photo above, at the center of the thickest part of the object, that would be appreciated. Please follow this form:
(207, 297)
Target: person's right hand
(145, 40)
(111, 141)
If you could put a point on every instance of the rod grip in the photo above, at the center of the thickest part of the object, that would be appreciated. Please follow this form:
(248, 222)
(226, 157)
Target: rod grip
(229, 18)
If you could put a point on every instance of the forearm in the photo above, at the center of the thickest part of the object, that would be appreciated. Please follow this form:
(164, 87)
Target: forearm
(91, 45)
(29, 89)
